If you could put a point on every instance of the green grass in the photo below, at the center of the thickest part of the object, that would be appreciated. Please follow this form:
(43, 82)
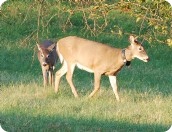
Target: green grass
(34, 108)
(25, 105)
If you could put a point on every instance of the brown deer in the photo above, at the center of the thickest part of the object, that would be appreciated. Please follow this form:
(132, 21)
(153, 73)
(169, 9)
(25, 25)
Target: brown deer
(47, 57)
(97, 58)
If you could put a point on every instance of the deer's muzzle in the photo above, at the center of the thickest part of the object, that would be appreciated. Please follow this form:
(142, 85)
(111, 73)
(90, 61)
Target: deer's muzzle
(147, 59)
(44, 63)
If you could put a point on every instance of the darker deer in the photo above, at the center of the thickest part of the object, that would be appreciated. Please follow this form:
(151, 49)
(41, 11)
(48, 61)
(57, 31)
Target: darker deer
(47, 57)
(97, 58)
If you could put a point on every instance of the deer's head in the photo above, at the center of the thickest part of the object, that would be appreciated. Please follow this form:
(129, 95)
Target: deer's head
(45, 54)
(137, 50)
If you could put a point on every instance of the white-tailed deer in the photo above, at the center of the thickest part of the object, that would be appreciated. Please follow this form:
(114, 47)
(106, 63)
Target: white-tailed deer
(47, 57)
(97, 58)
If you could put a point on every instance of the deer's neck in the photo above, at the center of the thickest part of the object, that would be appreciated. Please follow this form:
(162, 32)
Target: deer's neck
(128, 54)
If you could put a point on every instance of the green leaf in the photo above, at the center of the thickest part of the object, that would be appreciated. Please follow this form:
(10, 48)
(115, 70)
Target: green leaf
(156, 27)
(138, 19)
(169, 42)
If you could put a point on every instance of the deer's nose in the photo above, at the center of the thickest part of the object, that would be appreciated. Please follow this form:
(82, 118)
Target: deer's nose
(44, 64)
(148, 59)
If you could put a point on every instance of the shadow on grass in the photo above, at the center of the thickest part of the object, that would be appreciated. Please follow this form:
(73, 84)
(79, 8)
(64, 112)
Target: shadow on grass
(23, 122)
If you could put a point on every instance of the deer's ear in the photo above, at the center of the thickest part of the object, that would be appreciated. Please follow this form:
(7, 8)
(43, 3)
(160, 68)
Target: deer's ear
(132, 39)
(39, 48)
(51, 47)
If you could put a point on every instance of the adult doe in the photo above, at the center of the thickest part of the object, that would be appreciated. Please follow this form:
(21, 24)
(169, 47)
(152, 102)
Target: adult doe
(97, 58)
(47, 57)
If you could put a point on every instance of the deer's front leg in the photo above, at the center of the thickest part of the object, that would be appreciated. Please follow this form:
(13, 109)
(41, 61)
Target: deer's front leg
(69, 76)
(45, 76)
(112, 80)
(58, 76)
(51, 77)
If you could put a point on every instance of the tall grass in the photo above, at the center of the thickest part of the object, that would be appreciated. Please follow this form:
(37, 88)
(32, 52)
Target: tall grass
(25, 105)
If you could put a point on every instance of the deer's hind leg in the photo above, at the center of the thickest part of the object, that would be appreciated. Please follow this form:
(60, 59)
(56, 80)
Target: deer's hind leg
(97, 78)
(69, 75)
(59, 74)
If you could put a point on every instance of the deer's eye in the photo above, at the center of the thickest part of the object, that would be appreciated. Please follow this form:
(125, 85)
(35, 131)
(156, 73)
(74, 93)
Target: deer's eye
(140, 48)
(48, 56)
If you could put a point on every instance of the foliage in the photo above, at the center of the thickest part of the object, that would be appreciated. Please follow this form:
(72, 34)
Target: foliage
(152, 19)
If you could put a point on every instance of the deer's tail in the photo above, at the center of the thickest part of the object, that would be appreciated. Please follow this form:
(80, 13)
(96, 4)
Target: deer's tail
(59, 54)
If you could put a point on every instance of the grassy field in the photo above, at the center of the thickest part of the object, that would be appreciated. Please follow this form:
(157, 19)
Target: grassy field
(25, 105)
